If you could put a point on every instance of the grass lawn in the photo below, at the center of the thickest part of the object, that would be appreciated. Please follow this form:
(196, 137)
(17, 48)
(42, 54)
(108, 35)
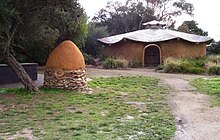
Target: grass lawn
(210, 86)
(118, 108)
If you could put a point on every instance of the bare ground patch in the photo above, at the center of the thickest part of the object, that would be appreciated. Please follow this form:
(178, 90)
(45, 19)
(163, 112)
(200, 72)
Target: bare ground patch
(26, 133)
(196, 118)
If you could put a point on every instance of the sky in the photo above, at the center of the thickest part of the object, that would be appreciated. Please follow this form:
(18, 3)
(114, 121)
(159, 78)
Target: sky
(205, 13)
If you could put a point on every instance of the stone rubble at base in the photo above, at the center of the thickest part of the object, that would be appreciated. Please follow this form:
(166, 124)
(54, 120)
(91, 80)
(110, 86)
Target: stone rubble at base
(65, 79)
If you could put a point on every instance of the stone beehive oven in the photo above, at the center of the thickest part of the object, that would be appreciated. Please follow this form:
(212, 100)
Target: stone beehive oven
(65, 68)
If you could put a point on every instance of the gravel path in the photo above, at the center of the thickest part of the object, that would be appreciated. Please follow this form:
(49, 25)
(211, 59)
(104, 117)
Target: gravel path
(195, 118)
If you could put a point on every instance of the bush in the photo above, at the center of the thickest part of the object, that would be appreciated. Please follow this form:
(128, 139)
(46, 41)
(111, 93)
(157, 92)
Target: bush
(214, 59)
(109, 63)
(197, 62)
(213, 68)
(112, 63)
(172, 65)
(134, 64)
(191, 66)
(88, 58)
(194, 70)
(121, 63)
(160, 67)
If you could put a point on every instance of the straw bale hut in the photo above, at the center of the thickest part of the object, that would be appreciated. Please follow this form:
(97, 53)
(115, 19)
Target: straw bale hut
(65, 68)
(152, 45)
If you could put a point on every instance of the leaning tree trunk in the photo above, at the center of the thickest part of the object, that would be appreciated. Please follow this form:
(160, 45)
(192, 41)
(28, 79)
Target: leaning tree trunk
(21, 73)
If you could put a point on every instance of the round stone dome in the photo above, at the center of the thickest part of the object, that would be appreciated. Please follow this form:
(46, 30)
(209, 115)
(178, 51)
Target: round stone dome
(66, 56)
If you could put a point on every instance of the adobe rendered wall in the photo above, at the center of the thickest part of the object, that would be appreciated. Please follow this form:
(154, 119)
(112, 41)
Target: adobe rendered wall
(131, 50)
(181, 48)
(128, 50)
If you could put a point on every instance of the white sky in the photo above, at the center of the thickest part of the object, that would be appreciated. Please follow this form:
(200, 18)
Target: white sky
(206, 13)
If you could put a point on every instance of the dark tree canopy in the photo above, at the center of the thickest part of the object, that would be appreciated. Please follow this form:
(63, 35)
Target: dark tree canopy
(92, 47)
(44, 24)
(39, 23)
(121, 18)
(214, 48)
(192, 28)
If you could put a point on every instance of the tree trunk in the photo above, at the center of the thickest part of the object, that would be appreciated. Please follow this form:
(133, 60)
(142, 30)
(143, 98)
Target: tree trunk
(140, 23)
(21, 73)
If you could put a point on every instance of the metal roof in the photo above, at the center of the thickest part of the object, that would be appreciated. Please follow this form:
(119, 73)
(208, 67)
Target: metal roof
(154, 35)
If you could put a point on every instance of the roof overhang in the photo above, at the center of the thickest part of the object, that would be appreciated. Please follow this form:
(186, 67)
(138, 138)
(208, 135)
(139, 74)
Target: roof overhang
(152, 36)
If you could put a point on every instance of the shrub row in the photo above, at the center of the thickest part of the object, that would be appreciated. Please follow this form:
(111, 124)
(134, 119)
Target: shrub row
(213, 64)
(213, 68)
(210, 65)
(112, 63)
(174, 65)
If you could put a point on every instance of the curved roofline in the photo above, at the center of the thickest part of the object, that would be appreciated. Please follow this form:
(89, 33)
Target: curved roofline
(153, 42)
(152, 35)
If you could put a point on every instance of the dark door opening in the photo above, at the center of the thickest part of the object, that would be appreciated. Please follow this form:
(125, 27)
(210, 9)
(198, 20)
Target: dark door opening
(152, 56)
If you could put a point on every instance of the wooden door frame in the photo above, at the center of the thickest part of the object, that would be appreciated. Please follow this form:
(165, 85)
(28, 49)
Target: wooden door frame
(155, 45)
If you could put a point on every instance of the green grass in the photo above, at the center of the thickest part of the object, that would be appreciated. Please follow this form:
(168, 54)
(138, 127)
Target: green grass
(210, 86)
(118, 108)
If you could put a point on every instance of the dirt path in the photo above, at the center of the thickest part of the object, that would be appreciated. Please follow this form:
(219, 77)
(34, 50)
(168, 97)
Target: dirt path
(195, 118)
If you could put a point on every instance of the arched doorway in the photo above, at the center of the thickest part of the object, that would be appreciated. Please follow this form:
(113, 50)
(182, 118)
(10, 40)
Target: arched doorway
(152, 54)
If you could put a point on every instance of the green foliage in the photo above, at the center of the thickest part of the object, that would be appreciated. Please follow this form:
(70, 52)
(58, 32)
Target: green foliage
(192, 28)
(214, 48)
(78, 35)
(213, 64)
(36, 53)
(88, 58)
(214, 59)
(134, 64)
(191, 66)
(214, 70)
(42, 24)
(160, 67)
(119, 18)
(92, 46)
(187, 69)
(199, 61)
(118, 108)
(7, 28)
(209, 86)
(210, 65)
(109, 63)
(172, 65)
(121, 63)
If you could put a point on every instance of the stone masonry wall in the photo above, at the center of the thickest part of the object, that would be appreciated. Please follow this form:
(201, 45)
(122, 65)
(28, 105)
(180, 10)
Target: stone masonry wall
(65, 79)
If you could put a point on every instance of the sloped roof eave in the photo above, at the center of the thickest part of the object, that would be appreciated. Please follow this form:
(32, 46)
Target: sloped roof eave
(108, 42)
(150, 36)
(151, 41)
